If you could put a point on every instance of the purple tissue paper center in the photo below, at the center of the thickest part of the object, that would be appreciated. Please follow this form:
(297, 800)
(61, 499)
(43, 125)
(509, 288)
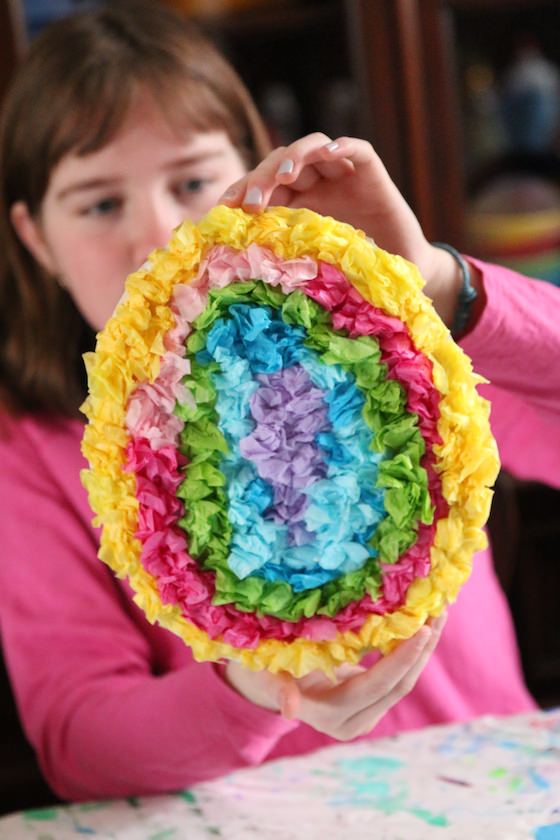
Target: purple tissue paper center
(289, 412)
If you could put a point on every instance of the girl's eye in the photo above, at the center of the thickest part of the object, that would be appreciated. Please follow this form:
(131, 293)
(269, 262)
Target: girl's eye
(191, 186)
(103, 208)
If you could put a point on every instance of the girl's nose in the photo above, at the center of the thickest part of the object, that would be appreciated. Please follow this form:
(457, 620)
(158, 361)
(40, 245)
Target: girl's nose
(151, 228)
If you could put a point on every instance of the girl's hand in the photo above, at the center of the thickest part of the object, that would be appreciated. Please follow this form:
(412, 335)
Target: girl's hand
(346, 179)
(356, 702)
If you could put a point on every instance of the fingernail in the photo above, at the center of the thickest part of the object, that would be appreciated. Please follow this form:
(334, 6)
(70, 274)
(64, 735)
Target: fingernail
(285, 167)
(253, 196)
(331, 147)
(229, 193)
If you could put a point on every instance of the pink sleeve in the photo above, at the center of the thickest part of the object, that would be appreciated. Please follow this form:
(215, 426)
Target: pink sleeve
(516, 345)
(102, 723)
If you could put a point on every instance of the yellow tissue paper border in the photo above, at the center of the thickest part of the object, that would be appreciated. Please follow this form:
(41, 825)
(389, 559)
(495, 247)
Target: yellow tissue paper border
(129, 351)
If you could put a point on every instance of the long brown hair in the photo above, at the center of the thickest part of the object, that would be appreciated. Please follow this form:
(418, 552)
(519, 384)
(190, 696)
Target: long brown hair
(71, 94)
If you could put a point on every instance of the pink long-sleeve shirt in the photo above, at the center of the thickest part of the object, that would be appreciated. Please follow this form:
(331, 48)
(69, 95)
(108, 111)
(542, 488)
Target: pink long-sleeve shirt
(115, 706)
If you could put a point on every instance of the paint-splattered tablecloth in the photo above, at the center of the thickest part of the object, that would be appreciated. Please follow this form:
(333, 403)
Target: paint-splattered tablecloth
(491, 779)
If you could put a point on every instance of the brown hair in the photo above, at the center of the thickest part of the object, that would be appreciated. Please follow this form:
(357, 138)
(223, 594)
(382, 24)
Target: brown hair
(72, 93)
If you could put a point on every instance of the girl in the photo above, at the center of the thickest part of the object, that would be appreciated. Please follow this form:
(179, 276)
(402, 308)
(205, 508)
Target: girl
(120, 124)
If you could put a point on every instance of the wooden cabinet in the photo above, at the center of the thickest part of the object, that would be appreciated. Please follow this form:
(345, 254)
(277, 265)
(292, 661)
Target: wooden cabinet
(395, 58)
(408, 61)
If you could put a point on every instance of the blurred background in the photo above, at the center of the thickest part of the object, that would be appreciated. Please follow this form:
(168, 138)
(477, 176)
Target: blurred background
(461, 98)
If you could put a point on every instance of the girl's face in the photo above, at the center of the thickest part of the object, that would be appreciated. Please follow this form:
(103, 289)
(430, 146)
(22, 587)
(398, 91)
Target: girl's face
(104, 212)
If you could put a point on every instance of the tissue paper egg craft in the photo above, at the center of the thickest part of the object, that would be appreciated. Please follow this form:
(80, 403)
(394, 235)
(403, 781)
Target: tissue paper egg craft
(287, 453)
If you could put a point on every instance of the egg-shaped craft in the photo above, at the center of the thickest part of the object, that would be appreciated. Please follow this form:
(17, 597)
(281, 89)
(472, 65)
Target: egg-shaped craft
(287, 453)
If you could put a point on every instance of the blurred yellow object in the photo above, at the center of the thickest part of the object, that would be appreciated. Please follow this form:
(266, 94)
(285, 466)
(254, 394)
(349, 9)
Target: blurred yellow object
(515, 221)
(525, 242)
(501, 229)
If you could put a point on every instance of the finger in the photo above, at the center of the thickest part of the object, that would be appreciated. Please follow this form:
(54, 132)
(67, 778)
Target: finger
(365, 720)
(232, 196)
(359, 152)
(365, 160)
(260, 182)
(410, 679)
(317, 685)
(291, 164)
(436, 625)
(300, 165)
(305, 164)
(284, 165)
(288, 166)
(306, 171)
(281, 197)
(331, 159)
(333, 709)
(379, 681)
(345, 672)
(254, 190)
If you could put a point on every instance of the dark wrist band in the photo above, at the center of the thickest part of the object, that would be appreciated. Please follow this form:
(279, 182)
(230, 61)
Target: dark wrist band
(467, 294)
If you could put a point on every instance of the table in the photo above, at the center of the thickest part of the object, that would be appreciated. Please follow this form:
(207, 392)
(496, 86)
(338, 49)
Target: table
(490, 779)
